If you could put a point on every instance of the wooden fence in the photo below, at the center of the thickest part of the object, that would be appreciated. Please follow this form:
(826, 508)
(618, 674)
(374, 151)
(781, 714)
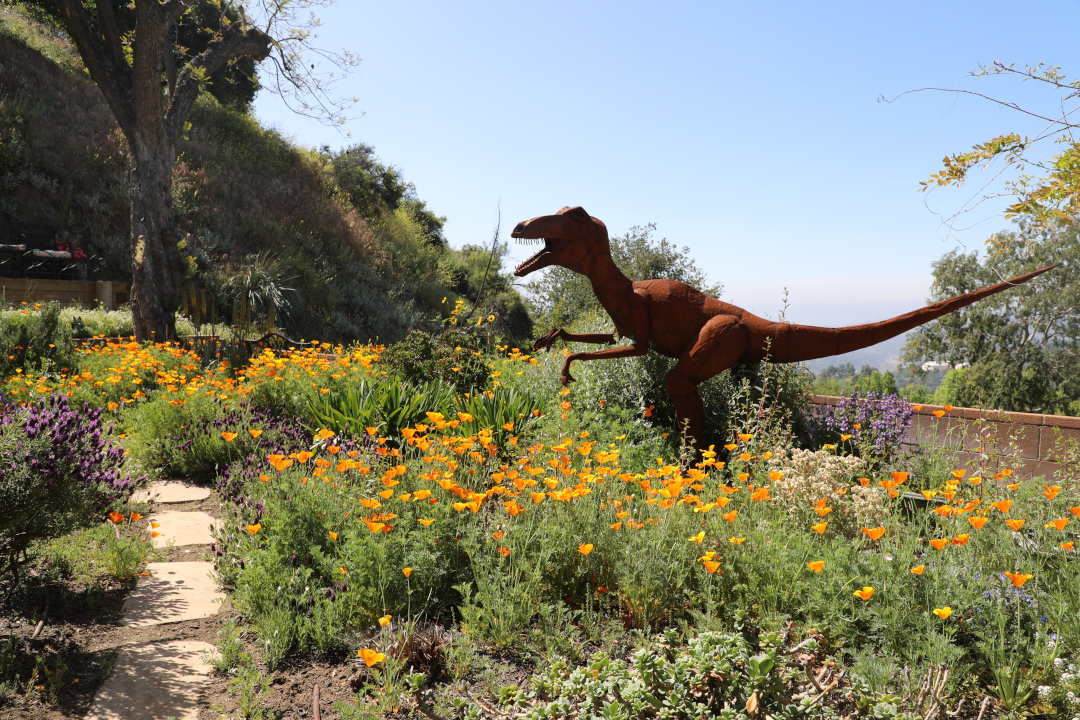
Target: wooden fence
(1035, 445)
(108, 294)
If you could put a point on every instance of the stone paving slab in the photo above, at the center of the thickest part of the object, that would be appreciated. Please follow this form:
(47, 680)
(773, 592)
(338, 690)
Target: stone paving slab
(154, 681)
(172, 491)
(180, 528)
(174, 591)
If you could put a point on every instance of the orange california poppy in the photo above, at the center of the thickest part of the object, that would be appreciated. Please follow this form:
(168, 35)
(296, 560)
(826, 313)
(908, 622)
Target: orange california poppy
(961, 539)
(916, 408)
(333, 535)
(1002, 505)
(899, 477)
(776, 476)
(730, 447)
(939, 413)
(1058, 524)
(817, 565)
(865, 593)
(944, 612)
(407, 571)
(745, 437)
(155, 534)
(959, 474)
(616, 526)
(1015, 524)
(1067, 546)
(155, 524)
(977, 522)
(116, 518)
(228, 436)
(325, 434)
(585, 549)
(730, 517)
(255, 433)
(820, 527)
(136, 517)
(370, 657)
(386, 494)
(736, 540)
(254, 529)
(1051, 492)
(384, 620)
(374, 527)
(939, 543)
(918, 569)
(504, 551)
(865, 482)
(874, 533)
(711, 565)
(1075, 511)
(948, 408)
(1018, 579)
(425, 522)
(343, 571)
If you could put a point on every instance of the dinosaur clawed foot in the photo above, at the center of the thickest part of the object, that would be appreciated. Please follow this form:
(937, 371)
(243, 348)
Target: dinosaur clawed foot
(547, 341)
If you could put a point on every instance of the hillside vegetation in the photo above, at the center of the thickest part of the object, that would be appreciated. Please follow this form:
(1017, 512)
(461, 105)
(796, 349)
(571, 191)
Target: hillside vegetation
(344, 250)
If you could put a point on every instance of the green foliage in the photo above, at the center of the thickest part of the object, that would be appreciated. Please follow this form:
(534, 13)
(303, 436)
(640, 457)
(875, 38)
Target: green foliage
(479, 276)
(35, 340)
(562, 296)
(453, 356)
(1020, 345)
(1043, 201)
(387, 406)
(239, 190)
(256, 293)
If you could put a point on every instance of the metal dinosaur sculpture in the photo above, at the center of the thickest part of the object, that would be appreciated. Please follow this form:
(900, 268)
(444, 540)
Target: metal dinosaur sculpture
(707, 336)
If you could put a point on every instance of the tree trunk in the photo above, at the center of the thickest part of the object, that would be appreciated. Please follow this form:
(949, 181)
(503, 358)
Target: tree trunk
(157, 272)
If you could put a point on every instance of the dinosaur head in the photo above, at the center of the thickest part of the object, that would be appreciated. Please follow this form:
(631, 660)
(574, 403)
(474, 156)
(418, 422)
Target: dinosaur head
(572, 239)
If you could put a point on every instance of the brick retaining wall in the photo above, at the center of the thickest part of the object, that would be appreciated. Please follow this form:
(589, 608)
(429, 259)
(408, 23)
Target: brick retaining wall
(1034, 445)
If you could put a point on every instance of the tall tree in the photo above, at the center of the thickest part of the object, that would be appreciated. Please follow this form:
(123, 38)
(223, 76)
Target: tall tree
(151, 82)
(1021, 347)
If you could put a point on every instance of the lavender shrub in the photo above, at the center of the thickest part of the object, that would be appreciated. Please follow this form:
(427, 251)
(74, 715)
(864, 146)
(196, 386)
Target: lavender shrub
(59, 471)
(877, 423)
(196, 448)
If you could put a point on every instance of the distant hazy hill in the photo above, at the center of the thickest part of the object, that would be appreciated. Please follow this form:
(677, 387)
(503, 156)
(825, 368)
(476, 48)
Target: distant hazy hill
(884, 356)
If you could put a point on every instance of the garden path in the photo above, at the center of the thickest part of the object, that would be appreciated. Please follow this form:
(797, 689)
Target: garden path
(157, 680)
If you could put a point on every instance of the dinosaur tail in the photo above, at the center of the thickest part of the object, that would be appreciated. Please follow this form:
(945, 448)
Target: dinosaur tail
(795, 343)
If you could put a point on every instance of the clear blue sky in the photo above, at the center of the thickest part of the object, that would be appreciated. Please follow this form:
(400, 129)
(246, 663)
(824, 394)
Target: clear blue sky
(749, 132)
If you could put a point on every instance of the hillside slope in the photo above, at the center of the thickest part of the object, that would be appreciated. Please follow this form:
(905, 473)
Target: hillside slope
(249, 204)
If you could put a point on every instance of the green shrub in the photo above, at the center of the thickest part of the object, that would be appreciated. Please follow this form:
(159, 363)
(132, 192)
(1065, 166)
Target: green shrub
(454, 357)
(35, 339)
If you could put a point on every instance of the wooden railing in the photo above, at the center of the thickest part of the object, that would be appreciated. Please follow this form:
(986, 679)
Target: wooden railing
(1035, 445)
(109, 294)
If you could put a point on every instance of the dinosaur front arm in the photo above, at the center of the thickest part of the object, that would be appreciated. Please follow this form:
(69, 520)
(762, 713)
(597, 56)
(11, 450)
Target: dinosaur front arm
(635, 350)
(560, 334)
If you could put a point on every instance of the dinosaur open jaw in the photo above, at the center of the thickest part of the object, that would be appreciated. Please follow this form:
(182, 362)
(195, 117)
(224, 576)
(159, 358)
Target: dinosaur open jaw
(535, 262)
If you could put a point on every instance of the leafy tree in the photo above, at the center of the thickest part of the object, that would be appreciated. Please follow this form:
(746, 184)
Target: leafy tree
(131, 70)
(234, 84)
(1022, 346)
(877, 382)
(375, 189)
(561, 295)
(1051, 195)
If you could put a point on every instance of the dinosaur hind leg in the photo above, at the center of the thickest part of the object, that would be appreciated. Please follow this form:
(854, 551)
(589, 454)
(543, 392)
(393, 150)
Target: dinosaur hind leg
(721, 342)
